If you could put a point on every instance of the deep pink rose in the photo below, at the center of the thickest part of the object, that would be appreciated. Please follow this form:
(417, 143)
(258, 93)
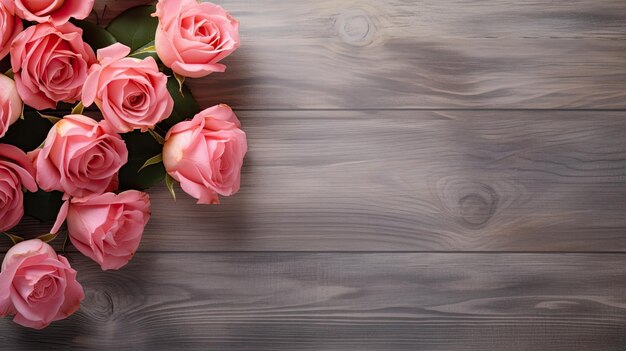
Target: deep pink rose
(55, 11)
(37, 286)
(192, 37)
(80, 157)
(131, 93)
(10, 104)
(10, 26)
(107, 228)
(206, 154)
(16, 172)
(50, 64)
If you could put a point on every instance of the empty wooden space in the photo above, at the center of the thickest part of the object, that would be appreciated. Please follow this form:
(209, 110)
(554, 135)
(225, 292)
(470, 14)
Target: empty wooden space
(421, 54)
(422, 175)
(347, 301)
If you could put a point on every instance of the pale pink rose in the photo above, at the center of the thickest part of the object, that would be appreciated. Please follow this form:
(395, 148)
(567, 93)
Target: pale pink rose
(10, 26)
(131, 93)
(106, 228)
(192, 37)
(80, 157)
(55, 11)
(16, 172)
(10, 104)
(50, 64)
(206, 154)
(37, 286)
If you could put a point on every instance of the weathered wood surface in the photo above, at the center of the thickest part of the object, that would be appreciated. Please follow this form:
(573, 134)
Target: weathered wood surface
(421, 54)
(413, 148)
(414, 180)
(299, 301)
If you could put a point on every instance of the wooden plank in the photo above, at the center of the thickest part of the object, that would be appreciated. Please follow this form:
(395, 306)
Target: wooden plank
(272, 301)
(414, 180)
(421, 54)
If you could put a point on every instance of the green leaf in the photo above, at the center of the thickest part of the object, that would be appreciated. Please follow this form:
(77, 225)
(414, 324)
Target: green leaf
(159, 139)
(146, 51)
(169, 182)
(141, 147)
(51, 119)
(96, 36)
(10, 73)
(152, 161)
(78, 109)
(48, 237)
(28, 133)
(14, 238)
(185, 106)
(66, 241)
(181, 80)
(135, 27)
(42, 205)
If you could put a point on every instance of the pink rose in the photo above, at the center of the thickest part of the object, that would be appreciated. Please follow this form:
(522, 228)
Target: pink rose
(50, 64)
(107, 228)
(10, 26)
(37, 286)
(193, 37)
(16, 172)
(206, 154)
(131, 93)
(55, 11)
(80, 157)
(10, 104)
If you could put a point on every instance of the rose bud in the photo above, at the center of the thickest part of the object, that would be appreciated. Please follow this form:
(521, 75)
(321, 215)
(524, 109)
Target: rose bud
(10, 26)
(192, 37)
(80, 157)
(10, 104)
(206, 154)
(106, 228)
(16, 171)
(37, 286)
(57, 12)
(50, 64)
(131, 93)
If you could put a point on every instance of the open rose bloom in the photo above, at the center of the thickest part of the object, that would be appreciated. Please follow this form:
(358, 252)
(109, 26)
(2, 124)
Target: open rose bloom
(80, 157)
(51, 64)
(107, 228)
(193, 37)
(83, 136)
(10, 104)
(16, 172)
(10, 26)
(131, 93)
(206, 154)
(56, 12)
(37, 286)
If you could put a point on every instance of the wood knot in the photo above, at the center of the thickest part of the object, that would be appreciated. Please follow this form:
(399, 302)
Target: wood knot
(98, 304)
(476, 209)
(356, 27)
(473, 204)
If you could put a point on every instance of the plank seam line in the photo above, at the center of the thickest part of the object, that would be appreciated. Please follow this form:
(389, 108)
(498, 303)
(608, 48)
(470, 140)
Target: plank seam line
(427, 109)
(389, 252)
(71, 252)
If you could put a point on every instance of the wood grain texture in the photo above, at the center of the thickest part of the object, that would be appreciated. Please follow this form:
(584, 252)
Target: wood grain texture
(288, 301)
(421, 54)
(379, 130)
(413, 180)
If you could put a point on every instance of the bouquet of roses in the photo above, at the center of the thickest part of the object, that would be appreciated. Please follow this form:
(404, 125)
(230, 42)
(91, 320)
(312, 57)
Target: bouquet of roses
(90, 117)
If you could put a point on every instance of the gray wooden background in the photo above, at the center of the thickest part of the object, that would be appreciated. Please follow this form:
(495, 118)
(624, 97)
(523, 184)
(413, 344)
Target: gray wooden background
(422, 175)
